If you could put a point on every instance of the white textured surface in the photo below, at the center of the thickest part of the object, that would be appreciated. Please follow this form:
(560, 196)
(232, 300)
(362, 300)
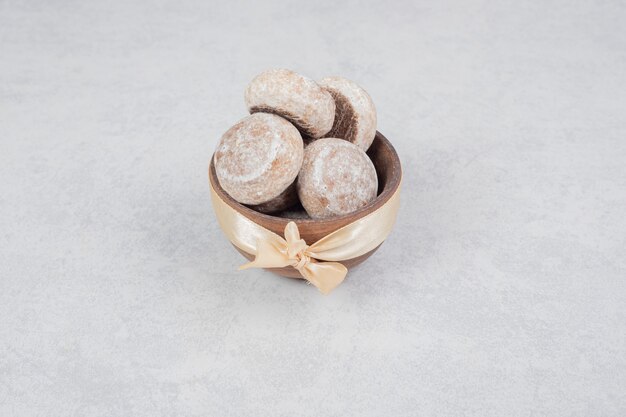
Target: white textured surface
(502, 291)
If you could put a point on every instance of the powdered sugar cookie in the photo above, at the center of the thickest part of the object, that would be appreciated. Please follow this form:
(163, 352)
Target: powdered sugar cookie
(355, 114)
(294, 97)
(258, 158)
(336, 178)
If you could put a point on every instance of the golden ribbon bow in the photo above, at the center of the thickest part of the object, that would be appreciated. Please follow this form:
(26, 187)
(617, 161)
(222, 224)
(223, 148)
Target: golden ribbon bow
(276, 252)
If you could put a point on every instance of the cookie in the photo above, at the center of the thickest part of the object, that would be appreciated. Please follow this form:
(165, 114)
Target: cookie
(258, 158)
(283, 201)
(336, 178)
(355, 114)
(294, 97)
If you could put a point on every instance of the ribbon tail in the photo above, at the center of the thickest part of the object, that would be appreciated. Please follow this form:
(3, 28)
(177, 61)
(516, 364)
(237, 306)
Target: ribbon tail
(268, 255)
(326, 276)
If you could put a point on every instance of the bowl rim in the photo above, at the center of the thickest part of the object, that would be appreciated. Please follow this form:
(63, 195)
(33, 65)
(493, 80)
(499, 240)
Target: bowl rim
(390, 187)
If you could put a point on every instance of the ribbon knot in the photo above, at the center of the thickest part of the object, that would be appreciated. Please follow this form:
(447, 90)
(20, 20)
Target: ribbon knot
(276, 252)
(296, 247)
(302, 260)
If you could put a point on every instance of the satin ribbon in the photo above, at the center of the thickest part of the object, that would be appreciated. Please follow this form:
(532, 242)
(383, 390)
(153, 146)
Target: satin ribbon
(318, 263)
(277, 252)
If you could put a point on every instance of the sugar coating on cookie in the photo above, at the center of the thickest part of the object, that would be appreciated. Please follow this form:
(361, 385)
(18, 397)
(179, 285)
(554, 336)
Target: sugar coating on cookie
(282, 201)
(336, 178)
(355, 114)
(258, 158)
(295, 97)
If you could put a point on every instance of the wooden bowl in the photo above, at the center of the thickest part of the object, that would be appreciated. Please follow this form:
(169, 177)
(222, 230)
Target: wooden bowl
(389, 171)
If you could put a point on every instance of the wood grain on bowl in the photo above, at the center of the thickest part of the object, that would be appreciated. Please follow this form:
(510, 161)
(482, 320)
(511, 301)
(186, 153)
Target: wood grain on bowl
(389, 173)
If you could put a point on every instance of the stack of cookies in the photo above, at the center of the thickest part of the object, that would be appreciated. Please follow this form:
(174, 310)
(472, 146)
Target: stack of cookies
(303, 144)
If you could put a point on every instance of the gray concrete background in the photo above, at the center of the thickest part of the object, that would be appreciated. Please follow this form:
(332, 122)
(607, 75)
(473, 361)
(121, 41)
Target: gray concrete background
(501, 292)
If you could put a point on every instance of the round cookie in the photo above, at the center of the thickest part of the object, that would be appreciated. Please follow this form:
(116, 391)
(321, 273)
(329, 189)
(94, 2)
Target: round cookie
(336, 178)
(283, 201)
(258, 158)
(294, 97)
(355, 114)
